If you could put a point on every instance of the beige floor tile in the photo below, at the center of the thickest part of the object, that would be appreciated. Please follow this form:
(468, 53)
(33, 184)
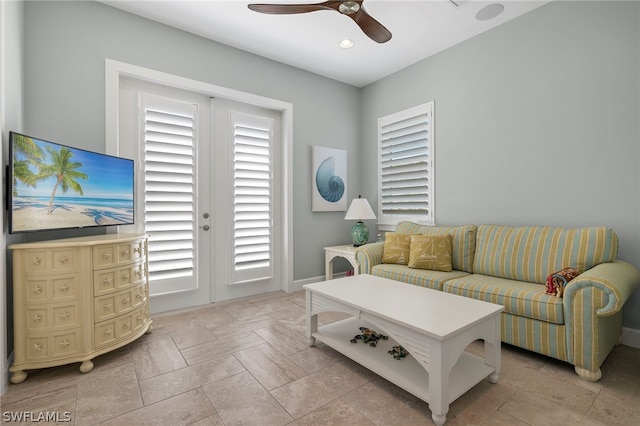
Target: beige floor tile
(183, 409)
(243, 326)
(214, 316)
(45, 381)
(556, 390)
(315, 390)
(287, 338)
(317, 357)
(269, 366)
(537, 410)
(336, 413)
(220, 347)
(156, 357)
(107, 393)
(188, 378)
(60, 402)
(482, 401)
(240, 400)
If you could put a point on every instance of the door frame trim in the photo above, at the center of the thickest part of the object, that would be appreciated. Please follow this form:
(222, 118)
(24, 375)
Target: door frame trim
(115, 70)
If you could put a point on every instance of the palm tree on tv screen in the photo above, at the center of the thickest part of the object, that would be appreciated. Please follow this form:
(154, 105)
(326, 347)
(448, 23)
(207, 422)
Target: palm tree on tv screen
(32, 154)
(65, 172)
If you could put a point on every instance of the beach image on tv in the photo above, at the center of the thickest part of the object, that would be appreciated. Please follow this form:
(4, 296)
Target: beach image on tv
(55, 186)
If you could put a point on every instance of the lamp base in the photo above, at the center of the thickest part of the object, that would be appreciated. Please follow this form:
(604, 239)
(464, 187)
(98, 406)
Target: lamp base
(359, 234)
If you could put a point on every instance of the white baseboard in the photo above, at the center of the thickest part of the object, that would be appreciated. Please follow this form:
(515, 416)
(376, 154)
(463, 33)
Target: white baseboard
(297, 285)
(631, 337)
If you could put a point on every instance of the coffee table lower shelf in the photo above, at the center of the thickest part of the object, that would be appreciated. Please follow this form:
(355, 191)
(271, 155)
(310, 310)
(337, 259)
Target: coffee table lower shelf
(407, 372)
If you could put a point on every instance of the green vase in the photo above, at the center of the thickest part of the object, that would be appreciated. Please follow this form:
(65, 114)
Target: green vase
(359, 234)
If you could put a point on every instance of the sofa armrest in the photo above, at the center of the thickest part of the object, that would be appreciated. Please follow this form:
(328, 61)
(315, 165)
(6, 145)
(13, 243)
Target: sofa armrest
(368, 256)
(592, 305)
(615, 281)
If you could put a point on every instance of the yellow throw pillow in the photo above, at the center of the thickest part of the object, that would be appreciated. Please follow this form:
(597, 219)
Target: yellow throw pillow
(430, 252)
(396, 248)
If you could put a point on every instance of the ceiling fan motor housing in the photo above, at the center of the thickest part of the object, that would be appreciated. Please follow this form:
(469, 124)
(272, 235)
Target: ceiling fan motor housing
(349, 7)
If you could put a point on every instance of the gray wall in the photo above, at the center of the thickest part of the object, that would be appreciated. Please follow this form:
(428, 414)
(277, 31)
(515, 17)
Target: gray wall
(66, 45)
(536, 123)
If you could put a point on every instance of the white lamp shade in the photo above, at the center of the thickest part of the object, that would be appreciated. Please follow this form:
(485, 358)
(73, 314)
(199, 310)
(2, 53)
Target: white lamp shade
(359, 210)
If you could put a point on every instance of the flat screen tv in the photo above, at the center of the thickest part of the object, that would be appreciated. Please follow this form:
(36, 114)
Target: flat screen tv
(53, 186)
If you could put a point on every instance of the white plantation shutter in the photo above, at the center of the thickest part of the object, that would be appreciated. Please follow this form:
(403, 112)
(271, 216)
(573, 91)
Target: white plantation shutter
(169, 189)
(405, 181)
(252, 197)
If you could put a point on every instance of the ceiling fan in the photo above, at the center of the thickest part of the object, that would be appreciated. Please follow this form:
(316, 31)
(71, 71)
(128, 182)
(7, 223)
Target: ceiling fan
(353, 9)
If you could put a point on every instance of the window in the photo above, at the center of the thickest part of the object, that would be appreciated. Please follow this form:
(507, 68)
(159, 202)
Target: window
(406, 174)
(252, 197)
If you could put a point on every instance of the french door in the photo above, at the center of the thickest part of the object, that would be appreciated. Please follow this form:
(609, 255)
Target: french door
(208, 193)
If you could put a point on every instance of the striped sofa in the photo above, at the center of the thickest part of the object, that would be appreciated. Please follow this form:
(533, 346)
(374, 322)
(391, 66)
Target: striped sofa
(509, 266)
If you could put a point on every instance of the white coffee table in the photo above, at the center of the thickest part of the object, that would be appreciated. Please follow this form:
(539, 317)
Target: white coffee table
(435, 327)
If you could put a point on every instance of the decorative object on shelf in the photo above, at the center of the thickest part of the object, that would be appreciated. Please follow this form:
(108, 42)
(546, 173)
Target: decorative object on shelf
(368, 336)
(329, 179)
(398, 352)
(359, 210)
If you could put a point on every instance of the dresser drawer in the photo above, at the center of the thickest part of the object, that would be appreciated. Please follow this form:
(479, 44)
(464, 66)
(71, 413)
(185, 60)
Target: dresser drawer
(55, 288)
(115, 304)
(106, 281)
(38, 262)
(53, 345)
(52, 317)
(110, 331)
(108, 255)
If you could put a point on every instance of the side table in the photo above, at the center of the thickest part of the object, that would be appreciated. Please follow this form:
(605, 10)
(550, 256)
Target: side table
(346, 251)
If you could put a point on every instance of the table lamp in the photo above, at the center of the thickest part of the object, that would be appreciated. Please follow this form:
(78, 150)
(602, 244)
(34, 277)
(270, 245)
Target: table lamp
(359, 210)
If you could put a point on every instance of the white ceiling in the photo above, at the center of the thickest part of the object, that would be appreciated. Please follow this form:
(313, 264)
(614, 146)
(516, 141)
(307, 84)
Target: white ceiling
(309, 41)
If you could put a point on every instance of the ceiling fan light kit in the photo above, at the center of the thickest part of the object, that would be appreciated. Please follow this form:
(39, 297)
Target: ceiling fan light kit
(353, 9)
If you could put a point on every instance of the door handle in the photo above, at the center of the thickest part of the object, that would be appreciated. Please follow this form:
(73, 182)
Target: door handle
(205, 227)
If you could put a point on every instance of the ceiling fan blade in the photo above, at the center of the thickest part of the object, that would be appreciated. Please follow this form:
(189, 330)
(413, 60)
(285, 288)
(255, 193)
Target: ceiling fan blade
(285, 9)
(372, 28)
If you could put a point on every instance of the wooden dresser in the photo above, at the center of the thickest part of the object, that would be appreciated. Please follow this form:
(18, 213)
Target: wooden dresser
(77, 298)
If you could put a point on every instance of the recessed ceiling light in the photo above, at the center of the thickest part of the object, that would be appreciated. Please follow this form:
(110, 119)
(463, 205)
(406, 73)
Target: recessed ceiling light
(489, 12)
(346, 43)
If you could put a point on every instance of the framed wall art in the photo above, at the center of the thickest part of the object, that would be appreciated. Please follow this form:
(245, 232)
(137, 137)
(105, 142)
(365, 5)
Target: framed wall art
(328, 180)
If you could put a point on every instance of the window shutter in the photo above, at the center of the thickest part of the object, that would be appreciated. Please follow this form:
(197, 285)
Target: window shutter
(406, 148)
(169, 191)
(252, 197)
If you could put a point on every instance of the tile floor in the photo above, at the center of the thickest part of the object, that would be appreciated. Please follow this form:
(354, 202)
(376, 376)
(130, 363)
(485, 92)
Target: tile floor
(246, 362)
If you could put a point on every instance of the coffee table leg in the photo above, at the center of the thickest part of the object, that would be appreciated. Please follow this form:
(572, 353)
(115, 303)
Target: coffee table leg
(438, 382)
(312, 320)
(492, 355)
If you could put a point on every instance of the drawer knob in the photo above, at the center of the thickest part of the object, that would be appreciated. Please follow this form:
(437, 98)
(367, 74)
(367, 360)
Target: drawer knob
(137, 250)
(64, 315)
(36, 260)
(139, 318)
(64, 286)
(125, 325)
(125, 276)
(63, 259)
(65, 343)
(37, 346)
(125, 301)
(37, 318)
(107, 281)
(108, 306)
(108, 331)
(138, 273)
(125, 252)
(37, 289)
(107, 255)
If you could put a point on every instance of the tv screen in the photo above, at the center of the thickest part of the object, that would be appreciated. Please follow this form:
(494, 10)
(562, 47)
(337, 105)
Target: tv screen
(53, 186)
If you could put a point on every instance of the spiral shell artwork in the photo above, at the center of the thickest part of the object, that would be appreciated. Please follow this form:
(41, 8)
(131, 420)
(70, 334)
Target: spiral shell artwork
(330, 186)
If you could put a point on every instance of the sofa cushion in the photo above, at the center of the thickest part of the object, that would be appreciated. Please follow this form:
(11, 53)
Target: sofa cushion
(463, 241)
(396, 248)
(420, 277)
(517, 297)
(430, 252)
(532, 253)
